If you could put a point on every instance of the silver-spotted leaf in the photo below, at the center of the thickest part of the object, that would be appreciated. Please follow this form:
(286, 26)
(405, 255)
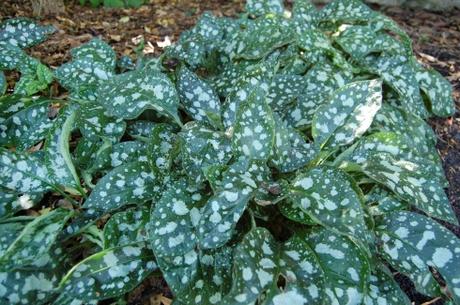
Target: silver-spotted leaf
(198, 98)
(128, 95)
(348, 114)
(35, 240)
(438, 90)
(412, 243)
(126, 227)
(109, 273)
(201, 148)
(162, 147)
(260, 261)
(327, 195)
(23, 32)
(345, 266)
(254, 131)
(57, 151)
(291, 151)
(223, 210)
(28, 126)
(322, 80)
(262, 7)
(130, 183)
(409, 182)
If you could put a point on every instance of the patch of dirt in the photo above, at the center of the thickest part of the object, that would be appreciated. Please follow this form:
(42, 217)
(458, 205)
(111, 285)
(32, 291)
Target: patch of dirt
(436, 39)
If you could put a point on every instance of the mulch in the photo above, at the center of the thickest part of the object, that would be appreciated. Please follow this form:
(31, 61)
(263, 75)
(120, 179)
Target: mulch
(436, 39)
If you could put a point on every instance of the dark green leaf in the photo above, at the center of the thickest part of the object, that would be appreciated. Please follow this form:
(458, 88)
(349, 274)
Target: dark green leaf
(348, 114)
(23, 32)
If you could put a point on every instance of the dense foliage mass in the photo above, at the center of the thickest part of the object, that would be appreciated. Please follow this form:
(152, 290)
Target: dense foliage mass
(278, 158)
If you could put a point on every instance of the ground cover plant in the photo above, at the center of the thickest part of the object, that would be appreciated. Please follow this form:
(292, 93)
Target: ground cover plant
(289, 148)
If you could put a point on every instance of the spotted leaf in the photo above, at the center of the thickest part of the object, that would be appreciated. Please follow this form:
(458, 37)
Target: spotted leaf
(224, 209)
(198, 97)
(328, 196)
(24, 173)
(262, 7)
(253, 136)
(126, 227)
(259, 263)
(128, 95)
(438, 90)
(109, 273)
(96, 50)
(409, 182)
(162, 148)
(23, 32)
(348, 114)
(201, 148)
(119, 154)
(291, 150)
(284, 89)
(35, 240)
(322, 80)
(57, 153)
(130, 183)
(172, 233)
(28, 126)
(412, 243)
(399, 73)
(345, 266)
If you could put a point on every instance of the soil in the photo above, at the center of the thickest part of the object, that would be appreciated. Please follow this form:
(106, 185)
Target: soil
(436, 39)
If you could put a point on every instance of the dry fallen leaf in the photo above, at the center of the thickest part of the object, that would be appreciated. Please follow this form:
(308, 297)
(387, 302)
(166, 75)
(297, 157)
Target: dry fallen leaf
(165, 43)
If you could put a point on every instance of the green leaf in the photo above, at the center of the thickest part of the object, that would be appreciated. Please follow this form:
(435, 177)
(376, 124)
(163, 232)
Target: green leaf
(130, 183)
(140, 129)
(347, 11)
(383, 289)
(126, 227)
(284, 89)
(225, 207)
(12, 202)
(201, 148)
(93, 121)
(438, 90)
(348, 114)
(291, 151)
(172, 233)
(409, 182)
(359, 41)
(57, 153)
(34, 284)
(304, 16)
(83, 74)
(119, 154)
(23, 32)
(322, 80)
(162, 148)
(271, 32)
(393, 144)
(35, 81)
(398, 73)
(198, 98)
(28, 126)
(260, 261)
(13, 58)
(128, 95)
(345, 266)
(35, 240)
(416, 132)
(109, 273)
(262, 7)
(98, 51)
(253, 135)
(328, 196)
(412, 243)
(23, 173)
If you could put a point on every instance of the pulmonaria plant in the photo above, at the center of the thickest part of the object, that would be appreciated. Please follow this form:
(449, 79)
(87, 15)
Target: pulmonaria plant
(278, 158)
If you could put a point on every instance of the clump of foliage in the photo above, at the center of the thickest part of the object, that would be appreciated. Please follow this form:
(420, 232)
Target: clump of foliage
(281, 157)
(114, 3)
